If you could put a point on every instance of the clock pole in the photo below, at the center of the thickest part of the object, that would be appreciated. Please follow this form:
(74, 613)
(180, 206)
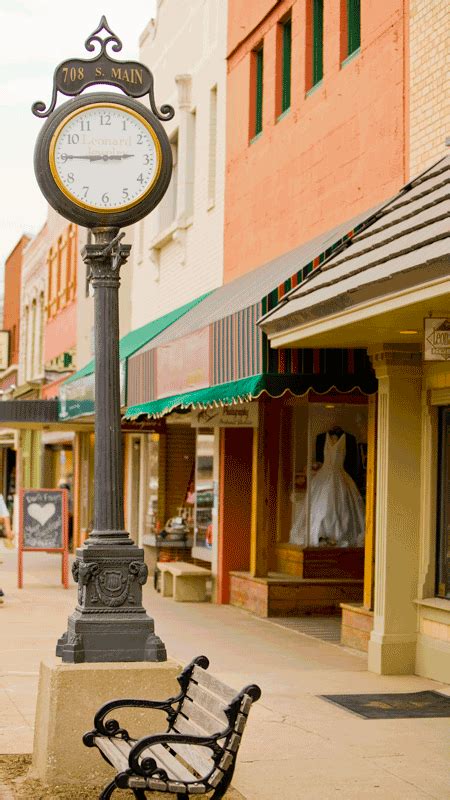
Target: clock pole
(109, 622)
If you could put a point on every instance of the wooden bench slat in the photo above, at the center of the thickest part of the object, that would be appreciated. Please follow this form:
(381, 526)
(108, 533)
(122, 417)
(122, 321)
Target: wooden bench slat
(210, 702)
(114, 751)
(213, 685)
(174, 768)
(199, 757)
(201, 718)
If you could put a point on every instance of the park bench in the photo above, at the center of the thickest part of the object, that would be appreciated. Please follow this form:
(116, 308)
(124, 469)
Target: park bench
(186, 582)
(196, 755)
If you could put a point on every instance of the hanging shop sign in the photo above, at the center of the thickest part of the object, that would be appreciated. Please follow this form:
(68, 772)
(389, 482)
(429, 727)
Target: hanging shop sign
(4, 349)
(241, 415)
(183, 365)
(43, 525)
(437, 339)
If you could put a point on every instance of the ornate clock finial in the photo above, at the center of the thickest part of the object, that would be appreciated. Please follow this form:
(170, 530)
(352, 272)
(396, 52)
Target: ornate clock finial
(103, 41)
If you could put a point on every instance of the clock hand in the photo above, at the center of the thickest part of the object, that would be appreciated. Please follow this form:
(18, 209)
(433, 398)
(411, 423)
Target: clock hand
(98, 157)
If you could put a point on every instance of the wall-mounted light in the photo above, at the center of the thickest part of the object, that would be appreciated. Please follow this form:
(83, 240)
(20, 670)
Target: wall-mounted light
(408, 332)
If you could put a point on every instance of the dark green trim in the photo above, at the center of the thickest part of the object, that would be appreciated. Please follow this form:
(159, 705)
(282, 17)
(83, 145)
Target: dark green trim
(353, 26)
(259, 56)
(286, 66)
(317, 48)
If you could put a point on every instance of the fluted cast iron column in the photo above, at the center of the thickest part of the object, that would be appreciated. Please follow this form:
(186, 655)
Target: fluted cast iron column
(109, 623)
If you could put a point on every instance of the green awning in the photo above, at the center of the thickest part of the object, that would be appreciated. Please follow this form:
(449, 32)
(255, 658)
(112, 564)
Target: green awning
(134, 340)
(246, 389)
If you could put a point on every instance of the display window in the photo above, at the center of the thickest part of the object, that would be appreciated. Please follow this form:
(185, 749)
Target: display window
(151, 484)
(443, 538)
(204, 489)
(329, 475)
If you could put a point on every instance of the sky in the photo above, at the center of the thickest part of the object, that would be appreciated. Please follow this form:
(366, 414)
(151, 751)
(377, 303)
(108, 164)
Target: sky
(35, 35)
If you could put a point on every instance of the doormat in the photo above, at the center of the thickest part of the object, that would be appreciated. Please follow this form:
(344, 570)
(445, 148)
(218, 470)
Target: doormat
(404, 705)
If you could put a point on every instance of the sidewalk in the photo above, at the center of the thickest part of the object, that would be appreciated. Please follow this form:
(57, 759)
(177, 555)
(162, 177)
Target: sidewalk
(297, 746)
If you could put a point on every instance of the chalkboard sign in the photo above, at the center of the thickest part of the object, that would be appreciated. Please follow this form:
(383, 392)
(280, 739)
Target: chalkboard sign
(44, 524)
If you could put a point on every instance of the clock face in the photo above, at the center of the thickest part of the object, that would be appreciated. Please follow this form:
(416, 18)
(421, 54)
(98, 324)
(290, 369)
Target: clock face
(105, 157)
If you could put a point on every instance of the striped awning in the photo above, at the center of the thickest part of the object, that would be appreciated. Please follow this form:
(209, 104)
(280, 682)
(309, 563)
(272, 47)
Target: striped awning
(247, 389)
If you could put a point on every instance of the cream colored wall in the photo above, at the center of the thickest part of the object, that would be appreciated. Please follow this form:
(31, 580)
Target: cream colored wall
(188, 257)
(429, 33)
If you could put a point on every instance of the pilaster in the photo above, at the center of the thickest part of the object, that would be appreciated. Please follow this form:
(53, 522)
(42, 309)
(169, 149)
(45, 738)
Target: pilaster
(392, 642)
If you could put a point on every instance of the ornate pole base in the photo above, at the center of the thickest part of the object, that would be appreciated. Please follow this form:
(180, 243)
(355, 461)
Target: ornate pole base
(109, 623)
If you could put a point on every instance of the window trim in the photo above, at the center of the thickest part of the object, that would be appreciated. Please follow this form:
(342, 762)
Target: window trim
(317, 43)
(286, 66)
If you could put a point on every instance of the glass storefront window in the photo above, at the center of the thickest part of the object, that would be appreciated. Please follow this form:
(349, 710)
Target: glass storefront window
(204, 489)
(152, 484)
(329, 475)
(443, 549)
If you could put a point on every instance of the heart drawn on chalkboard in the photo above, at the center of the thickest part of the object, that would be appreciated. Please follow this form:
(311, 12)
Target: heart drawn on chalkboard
(41, 513)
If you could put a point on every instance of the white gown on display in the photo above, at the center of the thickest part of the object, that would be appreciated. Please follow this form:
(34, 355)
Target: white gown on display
(336, 506)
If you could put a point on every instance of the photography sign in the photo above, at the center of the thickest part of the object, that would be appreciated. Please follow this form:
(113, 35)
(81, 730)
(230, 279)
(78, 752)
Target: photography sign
(437, 339)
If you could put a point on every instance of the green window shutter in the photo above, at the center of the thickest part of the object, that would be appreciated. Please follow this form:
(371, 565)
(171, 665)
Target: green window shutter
(317, 41)
(287, 47)
(259, 90)
(353, 25)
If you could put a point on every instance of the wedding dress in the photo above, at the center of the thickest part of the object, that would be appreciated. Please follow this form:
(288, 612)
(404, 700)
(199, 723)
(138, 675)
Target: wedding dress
(336, 506)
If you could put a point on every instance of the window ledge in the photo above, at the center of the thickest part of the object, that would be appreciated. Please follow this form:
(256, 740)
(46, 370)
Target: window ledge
(165, 236)
(314, 88)
(350, 57)
(211, 204)
(256, 137)
(434, 602)
(283, 114)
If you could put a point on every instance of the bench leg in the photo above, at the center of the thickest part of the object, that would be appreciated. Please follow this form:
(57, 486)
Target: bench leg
(139, 794)
(108, 790)
(222, 787)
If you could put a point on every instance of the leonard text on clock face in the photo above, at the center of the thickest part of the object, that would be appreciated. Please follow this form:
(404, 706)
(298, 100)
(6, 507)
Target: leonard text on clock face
(105, 157)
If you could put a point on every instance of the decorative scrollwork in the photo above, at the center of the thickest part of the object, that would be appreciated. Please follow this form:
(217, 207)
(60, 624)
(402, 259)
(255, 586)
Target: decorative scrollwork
(75, 75)
(111, 38)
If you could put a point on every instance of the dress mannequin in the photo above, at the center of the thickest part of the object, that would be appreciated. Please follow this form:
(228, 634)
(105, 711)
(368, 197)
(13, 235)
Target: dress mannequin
(336, 506)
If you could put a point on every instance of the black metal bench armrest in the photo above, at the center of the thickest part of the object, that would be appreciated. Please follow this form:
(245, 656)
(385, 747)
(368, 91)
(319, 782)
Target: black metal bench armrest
(112, 728)
(147, 766)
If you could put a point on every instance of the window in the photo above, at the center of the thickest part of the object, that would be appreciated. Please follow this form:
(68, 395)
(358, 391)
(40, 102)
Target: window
(443, 544)
(256, 100)
(212, 146)
(317, 43)
(286, 45)
(350, 28)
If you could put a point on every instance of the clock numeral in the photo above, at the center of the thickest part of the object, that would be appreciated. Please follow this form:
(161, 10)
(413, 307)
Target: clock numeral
(70, 177)
(73, 138)
(140, 178)
(124, 124)
(105, 119)
(85, 125)
(125, 194)
(105, 197)
(63, 157)
(146, 159)
(140, 138)
(85, 191)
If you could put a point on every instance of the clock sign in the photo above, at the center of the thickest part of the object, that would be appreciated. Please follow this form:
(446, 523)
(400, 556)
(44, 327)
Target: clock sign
(103, 160)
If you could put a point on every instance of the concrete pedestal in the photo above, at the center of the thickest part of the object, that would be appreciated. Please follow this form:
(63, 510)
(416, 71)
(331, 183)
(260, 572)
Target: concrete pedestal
(68, 697)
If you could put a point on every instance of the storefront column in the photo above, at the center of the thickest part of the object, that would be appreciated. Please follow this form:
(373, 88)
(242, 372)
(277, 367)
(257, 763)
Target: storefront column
(266, 451)
(393, 640)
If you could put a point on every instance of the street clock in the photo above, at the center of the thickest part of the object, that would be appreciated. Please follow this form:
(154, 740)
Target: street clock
(103, 159)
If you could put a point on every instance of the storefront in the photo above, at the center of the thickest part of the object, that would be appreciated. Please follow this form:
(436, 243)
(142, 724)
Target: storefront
(389, 292)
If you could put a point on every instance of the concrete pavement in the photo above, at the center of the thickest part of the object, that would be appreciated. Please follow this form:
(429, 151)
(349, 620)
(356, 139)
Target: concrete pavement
(297, 745)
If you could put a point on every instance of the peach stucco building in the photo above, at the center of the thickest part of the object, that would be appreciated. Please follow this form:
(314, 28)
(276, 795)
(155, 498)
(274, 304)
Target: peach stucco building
(339, 148)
